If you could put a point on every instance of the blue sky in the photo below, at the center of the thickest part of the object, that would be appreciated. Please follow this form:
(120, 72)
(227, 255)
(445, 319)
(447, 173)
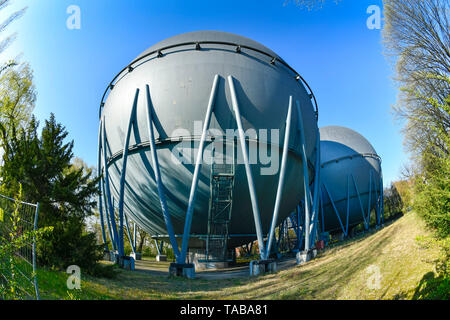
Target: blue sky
(331, 48)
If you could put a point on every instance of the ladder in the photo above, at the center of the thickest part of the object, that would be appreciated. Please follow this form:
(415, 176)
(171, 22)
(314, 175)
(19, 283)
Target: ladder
(220, 207)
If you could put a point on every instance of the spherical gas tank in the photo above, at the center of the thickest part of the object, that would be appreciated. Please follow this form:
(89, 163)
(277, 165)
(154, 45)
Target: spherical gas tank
(350, 178)
(180, 72)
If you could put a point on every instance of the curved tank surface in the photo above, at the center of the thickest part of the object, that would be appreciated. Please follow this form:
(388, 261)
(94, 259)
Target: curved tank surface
(349, 165)
(180, 72)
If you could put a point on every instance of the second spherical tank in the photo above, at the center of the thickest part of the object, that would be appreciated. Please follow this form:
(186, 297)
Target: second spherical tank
(180, 72)
(350, 175)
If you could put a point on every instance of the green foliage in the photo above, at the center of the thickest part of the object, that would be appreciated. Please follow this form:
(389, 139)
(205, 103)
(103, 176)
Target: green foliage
(13, 238)
(105, 271)
(68, 245)
(42, 165)
(393, 204)
(416, 34)
(405, 190)
(432, 189)
(433, 287)
(17, 98)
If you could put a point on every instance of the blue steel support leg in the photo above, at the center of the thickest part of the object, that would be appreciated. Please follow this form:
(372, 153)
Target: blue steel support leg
(129, 235)
(295, 224)
(112, 218)
(131, 121)
(305, 176)
(382, 198)
(359, 199)
(158, 178)
(110, 230)
(299, 228)
(280, 233)
(348, 204)
(316, 200)
(161, 246)
(321, 210)
(99, 172)
(111, 235)
(157, 247)
(287, 134)
(377, 202)
(134, 234)
(335, 209)
(370, 199)
(193, 193)
(302, 237)
(251, 186)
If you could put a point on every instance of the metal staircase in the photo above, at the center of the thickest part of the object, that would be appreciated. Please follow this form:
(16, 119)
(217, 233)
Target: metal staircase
(220, 207)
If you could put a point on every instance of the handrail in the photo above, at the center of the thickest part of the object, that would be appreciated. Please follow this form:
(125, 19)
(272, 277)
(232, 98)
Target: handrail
(198, 44)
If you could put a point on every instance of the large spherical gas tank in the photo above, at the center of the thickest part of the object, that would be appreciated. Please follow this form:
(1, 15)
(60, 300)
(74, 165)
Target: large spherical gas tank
(349, 165)
(180, 73)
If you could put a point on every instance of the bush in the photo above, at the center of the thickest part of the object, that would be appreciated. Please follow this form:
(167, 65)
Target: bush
(432, 189)
(104, 271)
(433, 287)
(67, 245)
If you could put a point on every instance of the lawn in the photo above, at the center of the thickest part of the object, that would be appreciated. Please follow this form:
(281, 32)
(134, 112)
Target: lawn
(388, 264)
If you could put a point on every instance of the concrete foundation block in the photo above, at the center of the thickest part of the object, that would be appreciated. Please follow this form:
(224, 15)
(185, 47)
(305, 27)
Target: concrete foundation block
(107, 255)
(114, 256)
(161, 258)
(208, 265)
(182, 270)
(136, 256)
(304, 256)
(126, 263)
(261, 267)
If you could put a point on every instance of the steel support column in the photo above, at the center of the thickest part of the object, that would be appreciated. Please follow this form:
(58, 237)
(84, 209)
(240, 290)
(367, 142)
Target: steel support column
(107, 189)
(305, 176)
(129, 235)
(382, 196)
(187, 226)
(108, 223)
(348, 204)
(123, 172)
(370, 199)
(157, 247)
(99, 173)
(276, 209)
(335, 209)
(321, 209)
(251, 186)
(359, 199)
(316, 200)
(134, 234)
(158, 178)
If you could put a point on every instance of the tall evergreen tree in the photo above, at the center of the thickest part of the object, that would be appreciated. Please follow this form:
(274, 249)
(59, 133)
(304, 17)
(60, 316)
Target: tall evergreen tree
(66, 193)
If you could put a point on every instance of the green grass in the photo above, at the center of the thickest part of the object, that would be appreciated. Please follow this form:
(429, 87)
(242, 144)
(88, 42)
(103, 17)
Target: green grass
(341, 272)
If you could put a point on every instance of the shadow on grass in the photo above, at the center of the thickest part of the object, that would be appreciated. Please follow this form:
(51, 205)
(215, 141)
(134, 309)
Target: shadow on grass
(433, 288)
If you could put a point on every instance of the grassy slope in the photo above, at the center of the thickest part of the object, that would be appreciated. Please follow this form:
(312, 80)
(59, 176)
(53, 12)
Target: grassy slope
(338, 273)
